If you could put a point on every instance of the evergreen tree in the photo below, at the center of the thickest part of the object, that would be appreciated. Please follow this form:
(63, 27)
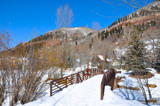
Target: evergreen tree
(158, 56)
(106, 34)
(153, 23)
(158, 59)
(136, 57)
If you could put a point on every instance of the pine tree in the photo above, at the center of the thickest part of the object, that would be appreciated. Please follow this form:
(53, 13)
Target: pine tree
(158, 59)
(136, 57)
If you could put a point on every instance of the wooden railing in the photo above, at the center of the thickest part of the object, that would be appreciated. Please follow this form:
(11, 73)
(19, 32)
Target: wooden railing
(108, 79)
(59, 84)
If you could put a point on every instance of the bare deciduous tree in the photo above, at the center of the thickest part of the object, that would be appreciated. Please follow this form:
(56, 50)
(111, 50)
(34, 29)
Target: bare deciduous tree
(4, 64)
(19, 82)
(95, 25)
(133, 3)
(4, 41)
(64, 16)
(137, 4)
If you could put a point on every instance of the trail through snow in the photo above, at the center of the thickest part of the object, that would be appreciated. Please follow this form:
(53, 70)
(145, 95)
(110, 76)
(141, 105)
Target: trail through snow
(86, 93)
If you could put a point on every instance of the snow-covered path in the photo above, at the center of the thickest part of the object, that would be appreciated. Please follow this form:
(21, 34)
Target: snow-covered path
(84, 94)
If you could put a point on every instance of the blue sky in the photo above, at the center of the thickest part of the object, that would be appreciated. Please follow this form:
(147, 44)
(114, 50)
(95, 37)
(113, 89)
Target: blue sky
(22, 17)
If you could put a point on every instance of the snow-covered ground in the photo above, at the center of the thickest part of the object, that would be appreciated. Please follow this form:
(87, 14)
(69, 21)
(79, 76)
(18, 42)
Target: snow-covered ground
(132, 82)
(70, 71)
(86, 93)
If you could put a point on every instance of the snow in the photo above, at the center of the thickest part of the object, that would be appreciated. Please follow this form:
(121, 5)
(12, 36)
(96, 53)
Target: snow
(116, 42)
(108, 60)
(86, 93)
(82, 30)
(132, 82)
(149, 47)
(70, 71)
(149, 44)
(78, 60)
(120, 52)
(101, 57)
(155, 80)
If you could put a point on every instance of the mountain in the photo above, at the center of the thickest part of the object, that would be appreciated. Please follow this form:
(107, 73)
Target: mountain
(71, 32)
(145, 21)
(54, 38)
(82, 42)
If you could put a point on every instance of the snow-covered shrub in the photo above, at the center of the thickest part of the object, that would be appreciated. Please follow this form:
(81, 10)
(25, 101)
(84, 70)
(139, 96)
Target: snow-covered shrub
(3, 85)
(32, 75)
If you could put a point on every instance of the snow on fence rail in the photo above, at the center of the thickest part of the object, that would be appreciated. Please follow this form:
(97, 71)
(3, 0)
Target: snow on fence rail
(59, 84)
(108, 79)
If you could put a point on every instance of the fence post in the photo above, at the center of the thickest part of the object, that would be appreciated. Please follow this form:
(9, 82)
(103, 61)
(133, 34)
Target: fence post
(108, 79)
(87, 74)
(66, 82)
(77, 80)
(83, 75)
(96, 71)
(71, 80)
(101, 92)
(51, 83)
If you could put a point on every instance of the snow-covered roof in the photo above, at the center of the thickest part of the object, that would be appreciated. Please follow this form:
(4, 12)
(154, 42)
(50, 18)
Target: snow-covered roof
(101, 57)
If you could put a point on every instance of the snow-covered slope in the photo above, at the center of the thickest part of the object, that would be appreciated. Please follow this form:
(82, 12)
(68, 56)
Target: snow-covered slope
(76, 31)
(84, 94)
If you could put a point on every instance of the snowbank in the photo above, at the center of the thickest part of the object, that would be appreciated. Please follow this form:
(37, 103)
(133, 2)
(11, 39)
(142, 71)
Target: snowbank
(132, 82)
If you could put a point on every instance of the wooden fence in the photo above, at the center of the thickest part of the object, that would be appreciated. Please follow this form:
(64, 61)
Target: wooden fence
(59, 84)
(108, 79)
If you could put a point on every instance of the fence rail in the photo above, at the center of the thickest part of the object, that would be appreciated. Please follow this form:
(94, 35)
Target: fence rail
(59, 84)
(108, 79)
